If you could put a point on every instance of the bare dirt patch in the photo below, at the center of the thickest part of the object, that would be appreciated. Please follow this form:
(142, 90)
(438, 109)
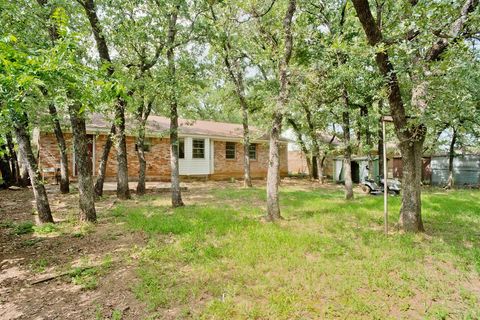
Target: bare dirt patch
(26, 258)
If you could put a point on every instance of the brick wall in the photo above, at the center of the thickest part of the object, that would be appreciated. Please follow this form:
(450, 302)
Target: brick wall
(297, 163)
(49, 154)
(228, 168)
(158, 159)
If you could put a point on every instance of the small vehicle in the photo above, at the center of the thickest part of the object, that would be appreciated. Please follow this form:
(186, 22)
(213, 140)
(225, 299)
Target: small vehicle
(369, 186)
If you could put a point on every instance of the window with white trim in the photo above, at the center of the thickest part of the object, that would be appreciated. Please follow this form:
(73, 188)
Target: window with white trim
(198, 149)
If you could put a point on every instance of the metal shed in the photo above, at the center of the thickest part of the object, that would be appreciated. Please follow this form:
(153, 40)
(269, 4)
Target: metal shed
(360, 169)
(466, 170)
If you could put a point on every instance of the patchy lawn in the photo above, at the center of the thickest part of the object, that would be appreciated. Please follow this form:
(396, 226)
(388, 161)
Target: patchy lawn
(218, 259)
(328, 259)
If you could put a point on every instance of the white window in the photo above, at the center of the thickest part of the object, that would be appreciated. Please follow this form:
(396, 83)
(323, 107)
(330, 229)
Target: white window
(198, 149)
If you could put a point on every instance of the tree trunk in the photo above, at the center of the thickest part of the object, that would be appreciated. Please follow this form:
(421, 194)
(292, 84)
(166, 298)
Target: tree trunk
(102, 167)
(320, 168)
(5, 170)
(24, 180)
(451, 157)
(123, 191)
(175, 174)
(247, 179)
(347, 157)
(316, 157)
(309, 165)
(142, 163)
(410, 211)
(314, 172)
(174, 146)
(30, 163)
(83, 164)
(322, 163)
(13, 160)
(64, 176)
(273, 174)
(142, 116)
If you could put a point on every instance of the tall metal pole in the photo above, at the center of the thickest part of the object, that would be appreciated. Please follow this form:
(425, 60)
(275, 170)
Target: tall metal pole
(385, 184)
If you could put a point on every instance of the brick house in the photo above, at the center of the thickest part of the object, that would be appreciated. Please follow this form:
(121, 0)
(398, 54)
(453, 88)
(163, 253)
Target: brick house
(208, 149)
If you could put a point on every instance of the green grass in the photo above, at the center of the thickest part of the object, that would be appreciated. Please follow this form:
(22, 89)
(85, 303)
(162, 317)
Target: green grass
(328, 259)
(39, 265)
(86, 276)
(22, 228)
(46, 228)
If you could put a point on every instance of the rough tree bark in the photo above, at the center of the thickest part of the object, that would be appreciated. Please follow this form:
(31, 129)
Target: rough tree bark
(347, 156)
(317, 164)
(83, 164)
(64, 175)
(123, 192)
(273, 174)
(30, 163)
(13, 159)
(175, 174)
(314, 167)
(24, 178)
(102, 167)
(5, 169)
(451, 157)
(143, 112)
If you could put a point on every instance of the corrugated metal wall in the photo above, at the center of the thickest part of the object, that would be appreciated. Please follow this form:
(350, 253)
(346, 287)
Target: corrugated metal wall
(466, 170)
(362, 169)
